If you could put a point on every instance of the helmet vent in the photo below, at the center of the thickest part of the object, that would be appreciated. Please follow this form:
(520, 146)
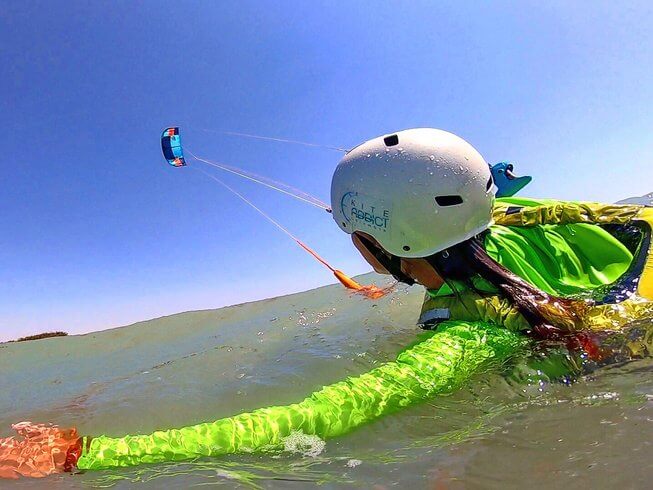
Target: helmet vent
(392, 140)
(448, 200)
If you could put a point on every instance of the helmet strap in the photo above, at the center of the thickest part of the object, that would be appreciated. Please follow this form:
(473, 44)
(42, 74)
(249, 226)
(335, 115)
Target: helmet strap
(391, 263)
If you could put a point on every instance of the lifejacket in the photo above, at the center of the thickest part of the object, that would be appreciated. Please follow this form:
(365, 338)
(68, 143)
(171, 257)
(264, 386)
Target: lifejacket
(627, 299)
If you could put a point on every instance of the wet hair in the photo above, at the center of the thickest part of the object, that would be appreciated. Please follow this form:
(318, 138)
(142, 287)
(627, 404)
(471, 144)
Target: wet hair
(550, 317)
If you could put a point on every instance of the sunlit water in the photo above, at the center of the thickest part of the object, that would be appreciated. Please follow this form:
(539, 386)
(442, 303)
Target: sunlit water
(499, 432)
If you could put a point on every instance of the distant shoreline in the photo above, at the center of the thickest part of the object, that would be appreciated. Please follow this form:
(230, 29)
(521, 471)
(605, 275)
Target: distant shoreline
(44, 335)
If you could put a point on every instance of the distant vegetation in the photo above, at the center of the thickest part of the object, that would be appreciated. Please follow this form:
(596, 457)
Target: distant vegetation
(44, 335)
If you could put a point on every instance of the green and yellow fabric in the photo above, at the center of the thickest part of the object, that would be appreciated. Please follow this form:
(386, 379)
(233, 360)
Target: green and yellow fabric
(440, 364)
(566, 249)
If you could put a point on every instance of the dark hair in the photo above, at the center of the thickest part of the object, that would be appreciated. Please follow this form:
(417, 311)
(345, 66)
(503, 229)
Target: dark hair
(550, 317)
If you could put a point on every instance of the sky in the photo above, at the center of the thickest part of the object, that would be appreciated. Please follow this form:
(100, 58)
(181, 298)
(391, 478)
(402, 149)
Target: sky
(96, 231)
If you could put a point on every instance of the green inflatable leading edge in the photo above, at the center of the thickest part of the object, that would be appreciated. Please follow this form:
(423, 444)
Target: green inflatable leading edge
(440, 364)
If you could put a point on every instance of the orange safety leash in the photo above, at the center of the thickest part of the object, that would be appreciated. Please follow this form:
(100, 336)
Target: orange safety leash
(370, 292)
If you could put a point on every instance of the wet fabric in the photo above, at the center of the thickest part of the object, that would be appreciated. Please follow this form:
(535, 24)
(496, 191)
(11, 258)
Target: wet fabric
(531, 212)
(574, 256)
(442, 363)
(558, 259)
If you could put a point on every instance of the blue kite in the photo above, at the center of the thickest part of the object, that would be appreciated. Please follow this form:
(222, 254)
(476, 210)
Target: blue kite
(171, 147)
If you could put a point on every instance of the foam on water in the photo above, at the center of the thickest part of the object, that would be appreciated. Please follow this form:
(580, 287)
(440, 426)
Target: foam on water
(305, 444)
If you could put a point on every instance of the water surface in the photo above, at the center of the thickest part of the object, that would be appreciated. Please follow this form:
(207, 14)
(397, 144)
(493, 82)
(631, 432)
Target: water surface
(499, 432)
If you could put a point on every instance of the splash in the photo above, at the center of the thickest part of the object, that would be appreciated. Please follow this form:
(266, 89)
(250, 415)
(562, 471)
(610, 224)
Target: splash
(372, 291)
(306, 444)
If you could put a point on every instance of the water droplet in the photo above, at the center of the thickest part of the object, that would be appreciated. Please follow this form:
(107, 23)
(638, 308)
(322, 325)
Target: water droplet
(432, 158)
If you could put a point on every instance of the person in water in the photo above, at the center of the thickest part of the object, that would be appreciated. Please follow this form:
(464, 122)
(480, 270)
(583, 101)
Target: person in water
(420, 205)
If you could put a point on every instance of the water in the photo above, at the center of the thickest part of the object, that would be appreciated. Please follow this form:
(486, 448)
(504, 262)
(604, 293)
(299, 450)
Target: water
(499, 432)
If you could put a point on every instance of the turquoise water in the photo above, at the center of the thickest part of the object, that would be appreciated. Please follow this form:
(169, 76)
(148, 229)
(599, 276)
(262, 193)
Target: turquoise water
(183, 369)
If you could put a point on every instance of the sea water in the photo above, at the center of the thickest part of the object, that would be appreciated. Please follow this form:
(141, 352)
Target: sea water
(501, 431)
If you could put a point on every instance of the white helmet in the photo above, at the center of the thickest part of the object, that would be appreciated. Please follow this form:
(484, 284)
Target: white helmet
(417, 192)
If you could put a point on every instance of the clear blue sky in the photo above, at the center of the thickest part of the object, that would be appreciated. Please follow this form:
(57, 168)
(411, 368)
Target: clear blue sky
(96, 231)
